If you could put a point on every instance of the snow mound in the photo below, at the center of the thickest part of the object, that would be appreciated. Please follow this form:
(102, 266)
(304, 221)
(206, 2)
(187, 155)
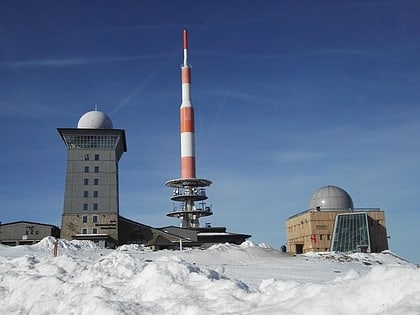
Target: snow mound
(222, 247)
(133, 247)
(180, 287)
(244, 245)
(224, 279)
(47, 243)
(120, 265)
(367, 259)
(264, 245)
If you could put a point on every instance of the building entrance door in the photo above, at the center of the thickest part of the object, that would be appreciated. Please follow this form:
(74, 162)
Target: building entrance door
(299, 248)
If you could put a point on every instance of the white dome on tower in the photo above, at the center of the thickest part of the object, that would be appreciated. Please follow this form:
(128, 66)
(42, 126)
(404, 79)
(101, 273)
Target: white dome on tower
(330, 198)
(94, 120)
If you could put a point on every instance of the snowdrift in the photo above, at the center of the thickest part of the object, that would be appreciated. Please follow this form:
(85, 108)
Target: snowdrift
(224, 279)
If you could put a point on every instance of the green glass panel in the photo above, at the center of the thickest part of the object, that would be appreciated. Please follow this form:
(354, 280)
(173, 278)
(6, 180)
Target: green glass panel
(351, 233)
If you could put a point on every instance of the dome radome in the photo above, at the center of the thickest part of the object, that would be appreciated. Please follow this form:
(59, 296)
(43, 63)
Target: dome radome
(330, 198)
(94, 120)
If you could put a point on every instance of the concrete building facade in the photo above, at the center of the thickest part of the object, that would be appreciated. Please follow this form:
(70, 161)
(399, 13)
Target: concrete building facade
(91, 204)
(332, 224)
(26, 232)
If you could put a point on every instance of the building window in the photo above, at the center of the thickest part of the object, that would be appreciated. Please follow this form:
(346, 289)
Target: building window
(328, 236)
(321, 237)
(351, 233)
(95, 194)
(84, 231)
(85, 206)
(85, 194)
(94, 231)
(96, 181)
(86, 181)
(86, 169)
(86, 157)
(96, 157)
(95, 206)
(84, 219)
(96, 169)
(95, 219)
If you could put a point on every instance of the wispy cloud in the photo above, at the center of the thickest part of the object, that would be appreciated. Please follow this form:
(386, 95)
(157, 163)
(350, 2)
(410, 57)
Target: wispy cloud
(67, 62)
(229, 93)
(37, 109)
(284, 54)
(298, 156)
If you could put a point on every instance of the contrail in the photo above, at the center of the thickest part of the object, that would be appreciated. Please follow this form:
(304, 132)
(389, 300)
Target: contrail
(213, 125)
(143, 84)
(153, 75)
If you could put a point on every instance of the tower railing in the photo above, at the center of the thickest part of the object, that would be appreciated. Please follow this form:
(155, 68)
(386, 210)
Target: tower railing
(189, 192)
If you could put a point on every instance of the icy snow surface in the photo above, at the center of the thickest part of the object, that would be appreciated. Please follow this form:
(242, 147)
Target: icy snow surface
(224, 279)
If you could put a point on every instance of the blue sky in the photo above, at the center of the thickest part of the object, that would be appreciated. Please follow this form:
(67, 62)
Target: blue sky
(289, 96)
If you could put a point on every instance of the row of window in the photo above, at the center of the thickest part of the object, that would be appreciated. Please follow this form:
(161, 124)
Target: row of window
(96, 169)
(86, 194)
(95, 206)
(85, 231)
(32, 232)
(322, 236)
(87, 157)
(294, 227)
(95, 181)
(94, 219)
(314, 238)
(94, 141)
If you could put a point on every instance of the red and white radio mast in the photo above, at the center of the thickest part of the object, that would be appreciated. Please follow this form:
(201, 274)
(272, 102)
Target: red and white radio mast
(188, 189)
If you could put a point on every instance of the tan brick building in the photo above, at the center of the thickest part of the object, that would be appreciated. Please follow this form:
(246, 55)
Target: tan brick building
(332, 224)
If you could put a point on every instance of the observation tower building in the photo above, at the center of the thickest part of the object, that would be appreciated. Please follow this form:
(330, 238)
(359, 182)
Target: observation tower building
(91, 205)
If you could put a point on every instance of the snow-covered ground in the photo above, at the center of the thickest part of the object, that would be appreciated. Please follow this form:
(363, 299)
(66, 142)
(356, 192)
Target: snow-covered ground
(224, 279)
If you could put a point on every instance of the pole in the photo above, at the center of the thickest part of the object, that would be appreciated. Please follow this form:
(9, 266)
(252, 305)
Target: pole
(55, 248)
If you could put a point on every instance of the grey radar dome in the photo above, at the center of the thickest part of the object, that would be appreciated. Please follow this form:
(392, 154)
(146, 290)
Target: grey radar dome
(330, 197)
(94, 120)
